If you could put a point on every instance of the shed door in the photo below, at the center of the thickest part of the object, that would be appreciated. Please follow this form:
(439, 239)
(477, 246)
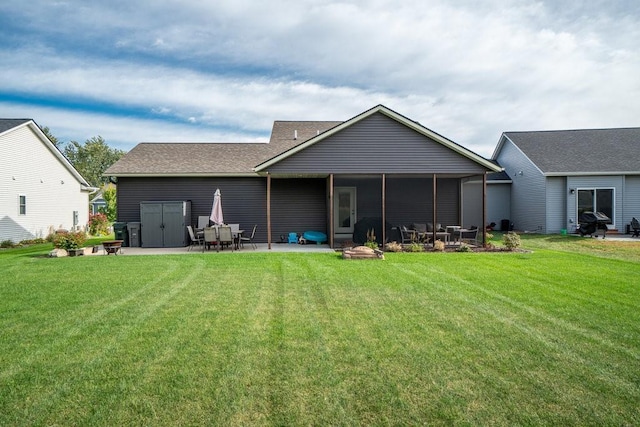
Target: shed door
(151, 225)
(344, 209)
(173, 219)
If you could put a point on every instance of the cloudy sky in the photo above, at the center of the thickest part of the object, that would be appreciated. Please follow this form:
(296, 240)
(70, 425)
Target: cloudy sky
(223, 71)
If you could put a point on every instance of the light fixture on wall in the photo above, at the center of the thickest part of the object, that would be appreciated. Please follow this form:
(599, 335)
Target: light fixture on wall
(61, 182)
(572, 190)
(520, 173)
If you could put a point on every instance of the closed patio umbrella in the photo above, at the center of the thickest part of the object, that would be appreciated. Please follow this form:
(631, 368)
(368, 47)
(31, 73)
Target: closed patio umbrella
(216, 209)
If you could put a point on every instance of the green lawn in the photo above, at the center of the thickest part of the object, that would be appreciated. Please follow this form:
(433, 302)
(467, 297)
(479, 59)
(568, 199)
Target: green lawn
(548, 337)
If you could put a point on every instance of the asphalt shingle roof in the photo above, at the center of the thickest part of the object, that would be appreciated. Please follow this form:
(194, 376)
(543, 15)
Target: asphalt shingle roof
(581, 151)
(155, 158)
(6, 124)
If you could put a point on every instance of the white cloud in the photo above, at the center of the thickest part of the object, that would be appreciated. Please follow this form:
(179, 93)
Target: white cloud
(119, 132)
(465, 69)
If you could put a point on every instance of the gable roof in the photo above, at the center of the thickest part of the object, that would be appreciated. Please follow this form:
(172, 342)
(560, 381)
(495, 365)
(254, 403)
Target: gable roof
(9, 125)
(393, 115)
(579, 152)
(247, 159)
(212, 158)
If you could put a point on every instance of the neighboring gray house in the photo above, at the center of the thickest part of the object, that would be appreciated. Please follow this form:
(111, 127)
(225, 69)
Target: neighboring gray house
(321, 176)
(556, 175)
(498, 201)
(98, 203)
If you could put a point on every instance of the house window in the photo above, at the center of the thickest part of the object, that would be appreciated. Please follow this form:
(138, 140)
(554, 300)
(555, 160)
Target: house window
(596, 200)
(22, 204)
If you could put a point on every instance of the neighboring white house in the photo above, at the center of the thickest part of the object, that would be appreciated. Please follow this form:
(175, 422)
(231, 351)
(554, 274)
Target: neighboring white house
(40, 190)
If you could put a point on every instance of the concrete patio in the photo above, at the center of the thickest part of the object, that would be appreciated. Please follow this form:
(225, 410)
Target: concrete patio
(261, 247)
(290, 247)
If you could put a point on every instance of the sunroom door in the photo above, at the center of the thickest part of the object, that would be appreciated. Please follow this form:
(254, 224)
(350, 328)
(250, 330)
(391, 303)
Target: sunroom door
(344, 209)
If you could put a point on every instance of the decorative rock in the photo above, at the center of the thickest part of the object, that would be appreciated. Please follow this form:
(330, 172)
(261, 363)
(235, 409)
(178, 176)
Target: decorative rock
(362, 252)
(57, 253)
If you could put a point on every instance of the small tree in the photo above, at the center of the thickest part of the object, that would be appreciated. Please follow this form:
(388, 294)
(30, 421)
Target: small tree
(98, 224)
(109, 196)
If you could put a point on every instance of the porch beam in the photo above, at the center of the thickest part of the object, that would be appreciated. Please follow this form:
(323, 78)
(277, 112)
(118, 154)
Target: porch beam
(484, 210)
(331, 218)
(269, 211)
(384, 210)
(435, 209)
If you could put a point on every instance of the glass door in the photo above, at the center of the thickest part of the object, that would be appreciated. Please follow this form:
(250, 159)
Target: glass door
(596, 200)
(344, 209)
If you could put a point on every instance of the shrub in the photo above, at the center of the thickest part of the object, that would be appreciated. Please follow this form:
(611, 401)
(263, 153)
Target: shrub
(98, 224)
(463, 248)
(372, 245)
(393, 247)
(69, 240)
(438, 246)
(511, 240)
(36, 241)
(415, 247)
(371, 239)
(7, 244)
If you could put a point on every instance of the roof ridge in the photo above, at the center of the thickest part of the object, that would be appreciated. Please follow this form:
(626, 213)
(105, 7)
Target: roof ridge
(572, 130)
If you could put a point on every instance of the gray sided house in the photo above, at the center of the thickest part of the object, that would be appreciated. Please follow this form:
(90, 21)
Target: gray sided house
(320, 176)
(557, 175)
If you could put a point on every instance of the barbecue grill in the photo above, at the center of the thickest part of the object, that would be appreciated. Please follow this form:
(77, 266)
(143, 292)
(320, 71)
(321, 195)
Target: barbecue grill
(591, 222)
(635, 225)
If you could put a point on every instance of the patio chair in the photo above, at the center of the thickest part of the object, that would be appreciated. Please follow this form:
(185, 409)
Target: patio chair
(225, 237)
(407, 236)
(635, 226)
(469, 235)
(195, 239)
(250, 238)
(209, 237)
(203, 221)
(421, 231)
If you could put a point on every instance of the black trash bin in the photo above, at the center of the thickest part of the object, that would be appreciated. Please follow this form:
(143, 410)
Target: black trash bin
(505, 225)
(120, 232)
(134, 234)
